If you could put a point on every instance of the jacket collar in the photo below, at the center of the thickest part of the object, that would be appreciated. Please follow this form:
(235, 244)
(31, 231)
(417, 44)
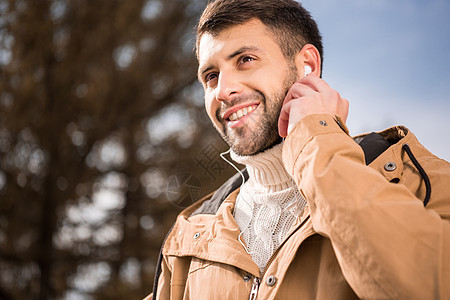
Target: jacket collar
(210, 237)
(212, 205)
(380, 148)
(208, 227)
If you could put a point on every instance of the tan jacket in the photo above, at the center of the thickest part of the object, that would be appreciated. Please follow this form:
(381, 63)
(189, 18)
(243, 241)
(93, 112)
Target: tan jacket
(364, 234)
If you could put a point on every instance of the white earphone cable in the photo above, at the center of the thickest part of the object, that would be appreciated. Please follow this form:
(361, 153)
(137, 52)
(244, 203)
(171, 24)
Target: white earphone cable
(243, 181)
(231, 164)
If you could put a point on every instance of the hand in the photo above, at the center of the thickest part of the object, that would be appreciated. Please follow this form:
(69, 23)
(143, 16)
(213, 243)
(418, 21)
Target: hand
(310, 95)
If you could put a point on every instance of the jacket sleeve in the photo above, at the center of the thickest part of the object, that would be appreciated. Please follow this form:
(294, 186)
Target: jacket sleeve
(387, 243)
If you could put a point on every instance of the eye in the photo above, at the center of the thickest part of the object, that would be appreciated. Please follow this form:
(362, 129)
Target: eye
(210, 76)
(246, 59)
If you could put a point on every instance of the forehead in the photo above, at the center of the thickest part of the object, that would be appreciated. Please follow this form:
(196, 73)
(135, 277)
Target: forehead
(252, 34)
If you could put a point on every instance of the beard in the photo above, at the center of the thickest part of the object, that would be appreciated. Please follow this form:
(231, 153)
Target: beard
(246, 141)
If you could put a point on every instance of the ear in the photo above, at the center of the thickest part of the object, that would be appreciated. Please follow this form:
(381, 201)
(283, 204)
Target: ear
(309, 56)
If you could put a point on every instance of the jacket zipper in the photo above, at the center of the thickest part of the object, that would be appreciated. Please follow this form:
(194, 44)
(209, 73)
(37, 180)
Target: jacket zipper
(257, 280)
(255, 288)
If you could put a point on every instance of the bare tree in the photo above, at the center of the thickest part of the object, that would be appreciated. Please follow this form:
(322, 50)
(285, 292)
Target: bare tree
(103, 139)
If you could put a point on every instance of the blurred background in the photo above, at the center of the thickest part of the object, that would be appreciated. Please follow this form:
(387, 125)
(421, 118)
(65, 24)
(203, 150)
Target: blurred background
(104, 139)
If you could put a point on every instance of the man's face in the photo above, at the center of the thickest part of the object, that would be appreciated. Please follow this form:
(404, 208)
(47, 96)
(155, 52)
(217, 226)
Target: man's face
(245, 77)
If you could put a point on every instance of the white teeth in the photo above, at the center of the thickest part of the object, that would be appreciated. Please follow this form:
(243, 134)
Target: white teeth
(242, 112)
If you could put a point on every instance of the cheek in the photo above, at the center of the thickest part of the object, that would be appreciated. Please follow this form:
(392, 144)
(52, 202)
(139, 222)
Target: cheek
(211, 108)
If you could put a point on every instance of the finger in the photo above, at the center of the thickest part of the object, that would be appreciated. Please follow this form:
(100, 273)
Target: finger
(298, 90)
(316, 83)
(283, 120)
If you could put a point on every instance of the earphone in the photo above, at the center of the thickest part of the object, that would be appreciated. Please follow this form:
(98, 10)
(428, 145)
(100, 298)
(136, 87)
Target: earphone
(307, 70)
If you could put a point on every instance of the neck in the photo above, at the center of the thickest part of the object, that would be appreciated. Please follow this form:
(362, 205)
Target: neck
(266, 171)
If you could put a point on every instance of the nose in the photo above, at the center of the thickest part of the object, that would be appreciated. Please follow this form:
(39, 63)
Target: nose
(228, 87)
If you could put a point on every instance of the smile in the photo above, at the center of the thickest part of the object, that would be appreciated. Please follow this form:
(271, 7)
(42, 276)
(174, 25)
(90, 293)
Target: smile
(242, 112)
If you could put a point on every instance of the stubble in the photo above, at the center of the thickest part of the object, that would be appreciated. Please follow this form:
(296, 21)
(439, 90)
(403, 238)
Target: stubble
(250, 140)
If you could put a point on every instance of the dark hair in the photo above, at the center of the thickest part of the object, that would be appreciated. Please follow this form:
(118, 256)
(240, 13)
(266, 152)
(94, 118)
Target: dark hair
(292, 25)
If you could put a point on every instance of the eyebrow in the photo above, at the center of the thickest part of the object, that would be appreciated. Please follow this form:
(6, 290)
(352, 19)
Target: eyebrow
(230, 57)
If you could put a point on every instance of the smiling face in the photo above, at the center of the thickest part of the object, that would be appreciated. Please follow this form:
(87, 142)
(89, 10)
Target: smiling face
(245, 77)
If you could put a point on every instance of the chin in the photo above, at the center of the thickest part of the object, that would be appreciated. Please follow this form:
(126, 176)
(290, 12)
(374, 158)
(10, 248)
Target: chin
(251, 141)
(254, 147)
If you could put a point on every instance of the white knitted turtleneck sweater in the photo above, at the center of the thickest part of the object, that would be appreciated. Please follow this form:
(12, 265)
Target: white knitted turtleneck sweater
(267, 204)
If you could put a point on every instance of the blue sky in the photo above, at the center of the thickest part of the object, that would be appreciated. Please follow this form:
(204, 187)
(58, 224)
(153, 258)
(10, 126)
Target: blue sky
(391, 60)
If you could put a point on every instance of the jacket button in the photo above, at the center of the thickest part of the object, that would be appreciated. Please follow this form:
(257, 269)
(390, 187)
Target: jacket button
(271, 280)
(196, 236)
(323, 123)
(247, 278)
(390, 166)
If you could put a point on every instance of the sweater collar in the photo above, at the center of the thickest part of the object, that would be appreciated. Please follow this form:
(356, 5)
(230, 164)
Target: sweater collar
(265, 169)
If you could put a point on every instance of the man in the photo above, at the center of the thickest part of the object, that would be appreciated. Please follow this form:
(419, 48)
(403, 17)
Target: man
(320, 215)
